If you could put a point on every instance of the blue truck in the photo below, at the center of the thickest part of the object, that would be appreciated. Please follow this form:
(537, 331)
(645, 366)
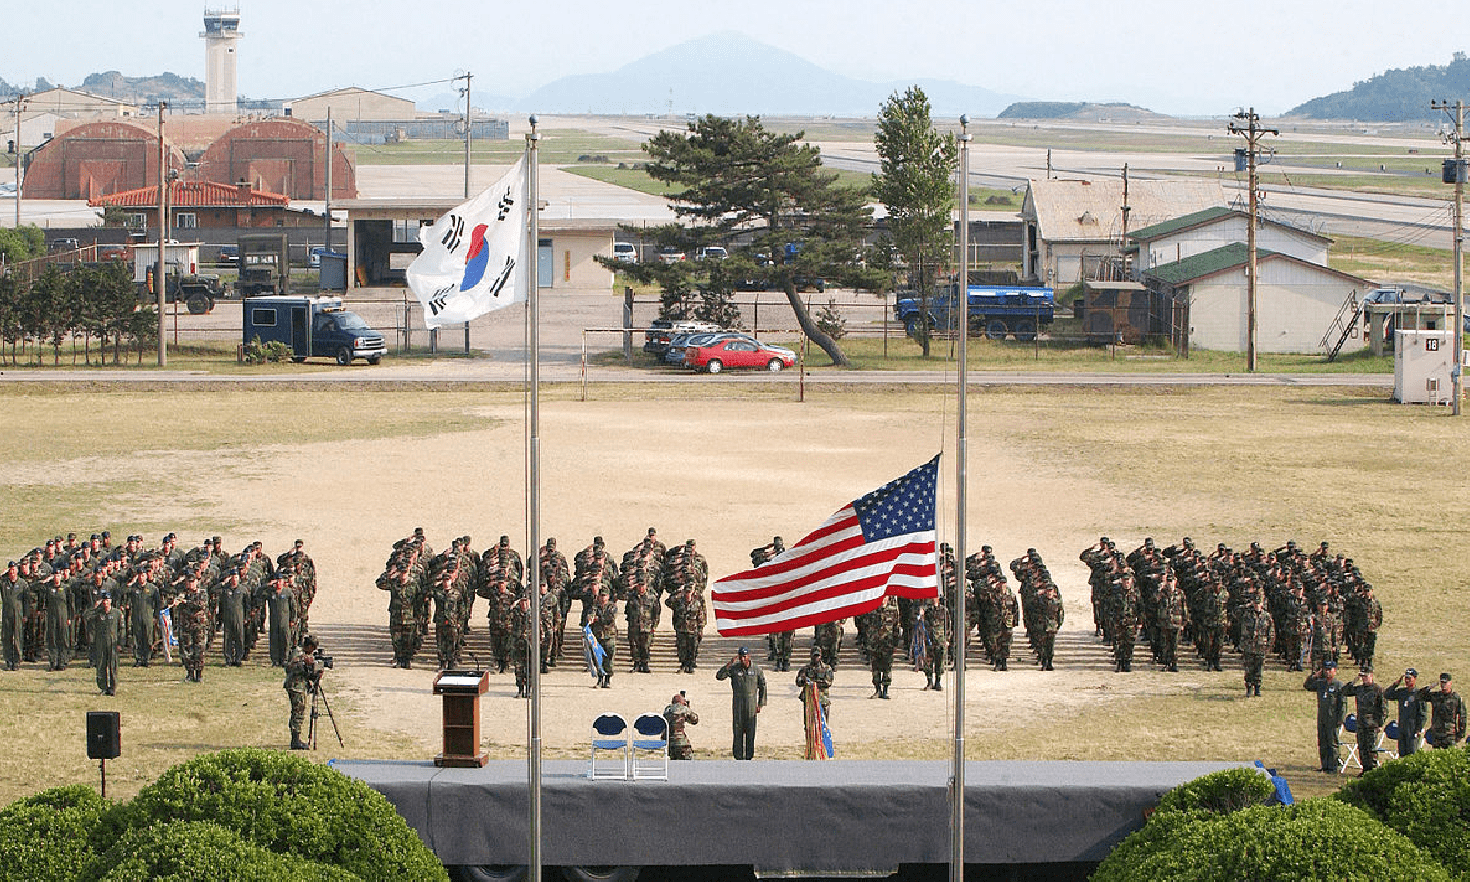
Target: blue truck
(311, 327)
(995, 311)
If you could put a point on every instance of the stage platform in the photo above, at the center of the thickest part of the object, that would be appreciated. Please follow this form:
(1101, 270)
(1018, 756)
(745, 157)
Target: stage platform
(779, 815)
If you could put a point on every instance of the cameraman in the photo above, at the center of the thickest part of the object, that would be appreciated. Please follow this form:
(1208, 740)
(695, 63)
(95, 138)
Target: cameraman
(303, 672)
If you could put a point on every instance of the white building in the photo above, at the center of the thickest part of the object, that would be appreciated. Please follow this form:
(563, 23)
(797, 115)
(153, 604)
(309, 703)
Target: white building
(1076, 229)
(221, 32)
(1297, 301)
(1183, 237)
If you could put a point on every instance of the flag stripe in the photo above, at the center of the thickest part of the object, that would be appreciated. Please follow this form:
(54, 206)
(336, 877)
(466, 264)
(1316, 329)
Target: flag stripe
(837, 571)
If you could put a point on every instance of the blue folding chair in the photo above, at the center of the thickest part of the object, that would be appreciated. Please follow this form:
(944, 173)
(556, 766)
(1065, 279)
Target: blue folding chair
(1390, 737)
(650, 756)
(610, 752)
(1350, 723)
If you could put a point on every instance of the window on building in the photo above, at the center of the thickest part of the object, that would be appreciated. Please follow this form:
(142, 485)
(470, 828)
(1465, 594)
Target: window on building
(186, 220)
(138, 220)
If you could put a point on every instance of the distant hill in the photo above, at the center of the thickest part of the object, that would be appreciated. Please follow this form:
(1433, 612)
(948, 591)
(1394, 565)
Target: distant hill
(166, 86)
(1077, 110)
(730, 73)
(1397, 95)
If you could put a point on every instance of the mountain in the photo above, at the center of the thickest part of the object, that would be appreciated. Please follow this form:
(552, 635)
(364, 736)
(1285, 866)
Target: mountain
(1076, 110)
(166, 86)
(730, 73)
(1396, 95)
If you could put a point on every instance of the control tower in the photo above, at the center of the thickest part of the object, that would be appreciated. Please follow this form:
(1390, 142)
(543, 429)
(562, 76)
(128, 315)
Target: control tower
(221, 30)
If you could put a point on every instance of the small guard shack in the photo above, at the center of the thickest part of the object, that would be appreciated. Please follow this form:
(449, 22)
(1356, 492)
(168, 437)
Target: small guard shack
(1422, 361)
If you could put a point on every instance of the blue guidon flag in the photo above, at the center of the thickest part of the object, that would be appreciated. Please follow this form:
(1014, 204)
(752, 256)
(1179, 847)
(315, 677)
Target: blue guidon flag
(875, 546)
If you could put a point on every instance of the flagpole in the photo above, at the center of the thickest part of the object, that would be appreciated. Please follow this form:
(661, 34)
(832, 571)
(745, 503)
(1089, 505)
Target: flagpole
(533, 505)
(962, 294)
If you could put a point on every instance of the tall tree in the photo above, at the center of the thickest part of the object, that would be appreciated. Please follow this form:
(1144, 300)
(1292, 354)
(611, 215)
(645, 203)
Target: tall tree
(787, 220)
(915, 184)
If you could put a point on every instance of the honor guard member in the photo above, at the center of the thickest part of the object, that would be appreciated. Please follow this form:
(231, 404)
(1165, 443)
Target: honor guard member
(747, 697)
(1369, 699)
(604, 627)
(936, 615)
(883, 633)
(642, 611)
(1413, 713)
(1324, 682)
(678, 715)
(302, 671)
(815, 673)
(1447, 714)
(1052, 615)
(108, 633)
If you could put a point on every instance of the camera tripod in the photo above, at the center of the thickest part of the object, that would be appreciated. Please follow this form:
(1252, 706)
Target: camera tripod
(318, 694)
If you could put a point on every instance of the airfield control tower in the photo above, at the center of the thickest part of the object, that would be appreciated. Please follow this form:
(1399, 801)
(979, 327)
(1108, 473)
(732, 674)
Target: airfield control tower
(221, 30)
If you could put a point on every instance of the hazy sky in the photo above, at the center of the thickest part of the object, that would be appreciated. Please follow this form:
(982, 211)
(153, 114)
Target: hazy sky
(1175, 56)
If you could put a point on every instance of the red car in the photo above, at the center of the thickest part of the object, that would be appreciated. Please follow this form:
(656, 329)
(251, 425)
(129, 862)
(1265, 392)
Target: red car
(738, 353)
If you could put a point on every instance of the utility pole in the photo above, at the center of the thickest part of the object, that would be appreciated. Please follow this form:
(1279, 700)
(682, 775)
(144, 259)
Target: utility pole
(18, 154)
(1455, 170)
(1253, 131)
(468, 121)
(327, 232)
(160, 280)
(1123, 246)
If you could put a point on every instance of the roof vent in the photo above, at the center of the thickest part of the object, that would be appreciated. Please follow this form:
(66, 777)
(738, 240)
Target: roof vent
(1087, 219)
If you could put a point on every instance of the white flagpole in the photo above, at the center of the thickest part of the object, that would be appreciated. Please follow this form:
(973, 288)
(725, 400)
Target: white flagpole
(533, 505)
(962, 293)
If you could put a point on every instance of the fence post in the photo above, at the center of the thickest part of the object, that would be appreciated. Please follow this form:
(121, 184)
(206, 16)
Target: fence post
(627, 323)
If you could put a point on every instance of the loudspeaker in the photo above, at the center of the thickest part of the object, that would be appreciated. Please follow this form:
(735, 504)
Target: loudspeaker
(104, 735)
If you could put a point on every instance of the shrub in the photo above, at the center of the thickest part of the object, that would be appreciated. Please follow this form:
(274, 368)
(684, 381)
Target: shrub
(199, 851)
(1317, 840)
(1220, 792)
(1426, 797)
(46, 836)
(830, 320)
(288, 805)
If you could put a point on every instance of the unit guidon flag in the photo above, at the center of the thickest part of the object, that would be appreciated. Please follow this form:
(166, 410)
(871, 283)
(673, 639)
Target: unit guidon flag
(878, 545)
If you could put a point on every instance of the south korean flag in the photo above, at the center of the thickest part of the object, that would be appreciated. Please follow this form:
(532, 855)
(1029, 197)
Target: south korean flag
(475, 256)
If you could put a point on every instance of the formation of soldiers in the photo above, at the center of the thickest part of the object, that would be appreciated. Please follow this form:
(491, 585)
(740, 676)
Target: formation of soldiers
(71, 598)
(1305, 608)
(425, 587)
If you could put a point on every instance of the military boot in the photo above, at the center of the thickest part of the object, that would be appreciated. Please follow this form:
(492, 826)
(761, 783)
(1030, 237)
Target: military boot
(296, 742)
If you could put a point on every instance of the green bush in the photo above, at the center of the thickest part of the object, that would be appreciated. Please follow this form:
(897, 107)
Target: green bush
(1220, 792)
(1317, 840)
(199, 851)
(288, 805)
(1426, 797)
(46, 836)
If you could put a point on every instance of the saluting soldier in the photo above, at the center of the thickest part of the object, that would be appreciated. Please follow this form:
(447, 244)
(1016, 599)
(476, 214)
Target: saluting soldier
(678, 715)
(402, 629)
(605, 630)
(232, 610)
(283, 613)
(1369, 698)
(1447, 714)
(56, 597)
(446, 619)
(12, 615)
(1257, 635)
(191, 618)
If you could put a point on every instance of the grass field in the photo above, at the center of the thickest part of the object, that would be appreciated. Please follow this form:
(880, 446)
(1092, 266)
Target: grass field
(1058, 466)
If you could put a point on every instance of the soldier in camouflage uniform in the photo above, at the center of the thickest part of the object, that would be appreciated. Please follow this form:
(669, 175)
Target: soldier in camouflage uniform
(604, 626)
(641, 613)
(1051, 615)
(498, 618)
(520, 629)
(402, 629)
(883, 632)
(301, 673)
(1324, 636)
(557, 577)
(1257, 635)
(593, 572)
(936, 617)
(687, 610)
(447, 636)
(1447, 713)
(828, 639)
(303, 580)
(678, 715)
(1122, 605)
(1169, 617)
(1214, 599)
(191, 620)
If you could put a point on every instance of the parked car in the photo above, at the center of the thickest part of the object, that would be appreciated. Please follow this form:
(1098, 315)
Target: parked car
(670, 254)
(625, 252)
(712, 252)
(229, 255)
(675, 353)
(661, 331)
(724, 354)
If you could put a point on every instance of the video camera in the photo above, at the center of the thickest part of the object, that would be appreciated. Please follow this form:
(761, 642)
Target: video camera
(323, 661)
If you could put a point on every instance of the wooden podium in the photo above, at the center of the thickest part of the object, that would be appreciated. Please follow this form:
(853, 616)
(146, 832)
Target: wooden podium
(462, 691)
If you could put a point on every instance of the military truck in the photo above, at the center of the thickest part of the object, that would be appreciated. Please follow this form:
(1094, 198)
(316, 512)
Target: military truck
(313, 327)
(198, 291)
(264, 267)
(995, 311)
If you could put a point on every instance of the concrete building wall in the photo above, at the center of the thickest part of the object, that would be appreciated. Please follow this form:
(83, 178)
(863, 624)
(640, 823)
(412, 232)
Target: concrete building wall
(352, 104)
(96, 160)
(1295, 306)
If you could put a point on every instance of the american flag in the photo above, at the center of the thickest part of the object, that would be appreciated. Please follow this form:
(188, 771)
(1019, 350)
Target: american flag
(878, 545)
